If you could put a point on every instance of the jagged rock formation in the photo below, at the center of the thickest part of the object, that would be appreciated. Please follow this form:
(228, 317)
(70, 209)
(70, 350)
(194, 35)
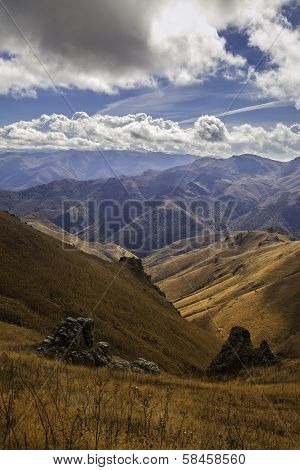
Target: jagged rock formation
(72, 341)
(102, 354)
(139, 365)
(133, 263)
(136, 265)
(238, 353)
(148, 367)
(263, 355)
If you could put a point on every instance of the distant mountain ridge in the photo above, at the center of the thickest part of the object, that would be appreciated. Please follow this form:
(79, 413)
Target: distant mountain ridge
(21, 170)
(205, 198)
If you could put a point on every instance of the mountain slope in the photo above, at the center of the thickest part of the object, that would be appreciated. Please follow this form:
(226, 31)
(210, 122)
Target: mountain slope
(249, 279)
(105, 251)
(41, 283)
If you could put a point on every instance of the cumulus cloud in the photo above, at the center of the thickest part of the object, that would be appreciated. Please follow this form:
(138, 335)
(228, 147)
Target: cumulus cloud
(210, 129)
(281, 43)
(140, 132)
(106, 45)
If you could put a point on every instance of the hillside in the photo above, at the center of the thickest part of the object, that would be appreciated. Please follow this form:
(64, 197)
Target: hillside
(205, 198)
(248, 279)
(41, 283)
(105, 251)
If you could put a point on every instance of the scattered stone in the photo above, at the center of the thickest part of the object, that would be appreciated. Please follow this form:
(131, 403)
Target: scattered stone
(139, 365)
(148, 367)
(120, 365)
(72, 341)
(102, 354)
(83, 357)
(238, 353)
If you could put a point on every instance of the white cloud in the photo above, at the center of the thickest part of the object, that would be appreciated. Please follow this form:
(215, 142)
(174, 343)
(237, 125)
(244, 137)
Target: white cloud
(281, 44)
(140, 132)
(210, 129)
(106, 45)
(271, 104)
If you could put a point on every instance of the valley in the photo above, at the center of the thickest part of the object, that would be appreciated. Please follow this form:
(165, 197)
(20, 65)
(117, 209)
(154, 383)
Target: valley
(249, 278)
(42, 282)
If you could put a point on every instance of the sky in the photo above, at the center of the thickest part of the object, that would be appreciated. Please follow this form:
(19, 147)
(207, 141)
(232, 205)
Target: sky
(178, 76)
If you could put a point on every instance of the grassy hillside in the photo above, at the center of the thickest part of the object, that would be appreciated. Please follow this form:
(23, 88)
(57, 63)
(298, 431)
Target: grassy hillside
(42, 282)
(55, 406)
(105, 251)
(249, 279)
(46, 404)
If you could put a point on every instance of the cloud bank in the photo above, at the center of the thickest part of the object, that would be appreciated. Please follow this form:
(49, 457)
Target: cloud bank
(105, 45)
(139, 132)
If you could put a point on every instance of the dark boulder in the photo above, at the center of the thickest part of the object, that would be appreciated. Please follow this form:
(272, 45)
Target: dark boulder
(263, 356)
(148, 367)
(120, 365)
(74, 334)
(82, 357)
(237, 353)
(102, 354)
(134, 263)
(72, 341)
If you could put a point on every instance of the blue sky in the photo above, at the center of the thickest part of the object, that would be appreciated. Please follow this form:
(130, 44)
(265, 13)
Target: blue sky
(175, 60)
(177, 103)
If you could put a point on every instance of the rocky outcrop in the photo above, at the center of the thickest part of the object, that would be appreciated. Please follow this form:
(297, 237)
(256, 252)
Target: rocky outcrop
(120, 365)
(72, 341)
(133, 263)
(102, 354)
(139, 365)
(136, 265)
(263, 355)
(238, 353)
(148, 367)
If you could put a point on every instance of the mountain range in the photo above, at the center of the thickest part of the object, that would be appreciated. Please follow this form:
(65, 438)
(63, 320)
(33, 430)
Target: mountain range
(206, 199)
(217, 236)
(20, 170)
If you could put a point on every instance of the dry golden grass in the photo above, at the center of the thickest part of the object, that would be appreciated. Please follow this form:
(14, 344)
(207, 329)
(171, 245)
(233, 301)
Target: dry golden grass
(105, 251)
(44, 405)
(48, 405)
(254, 284)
